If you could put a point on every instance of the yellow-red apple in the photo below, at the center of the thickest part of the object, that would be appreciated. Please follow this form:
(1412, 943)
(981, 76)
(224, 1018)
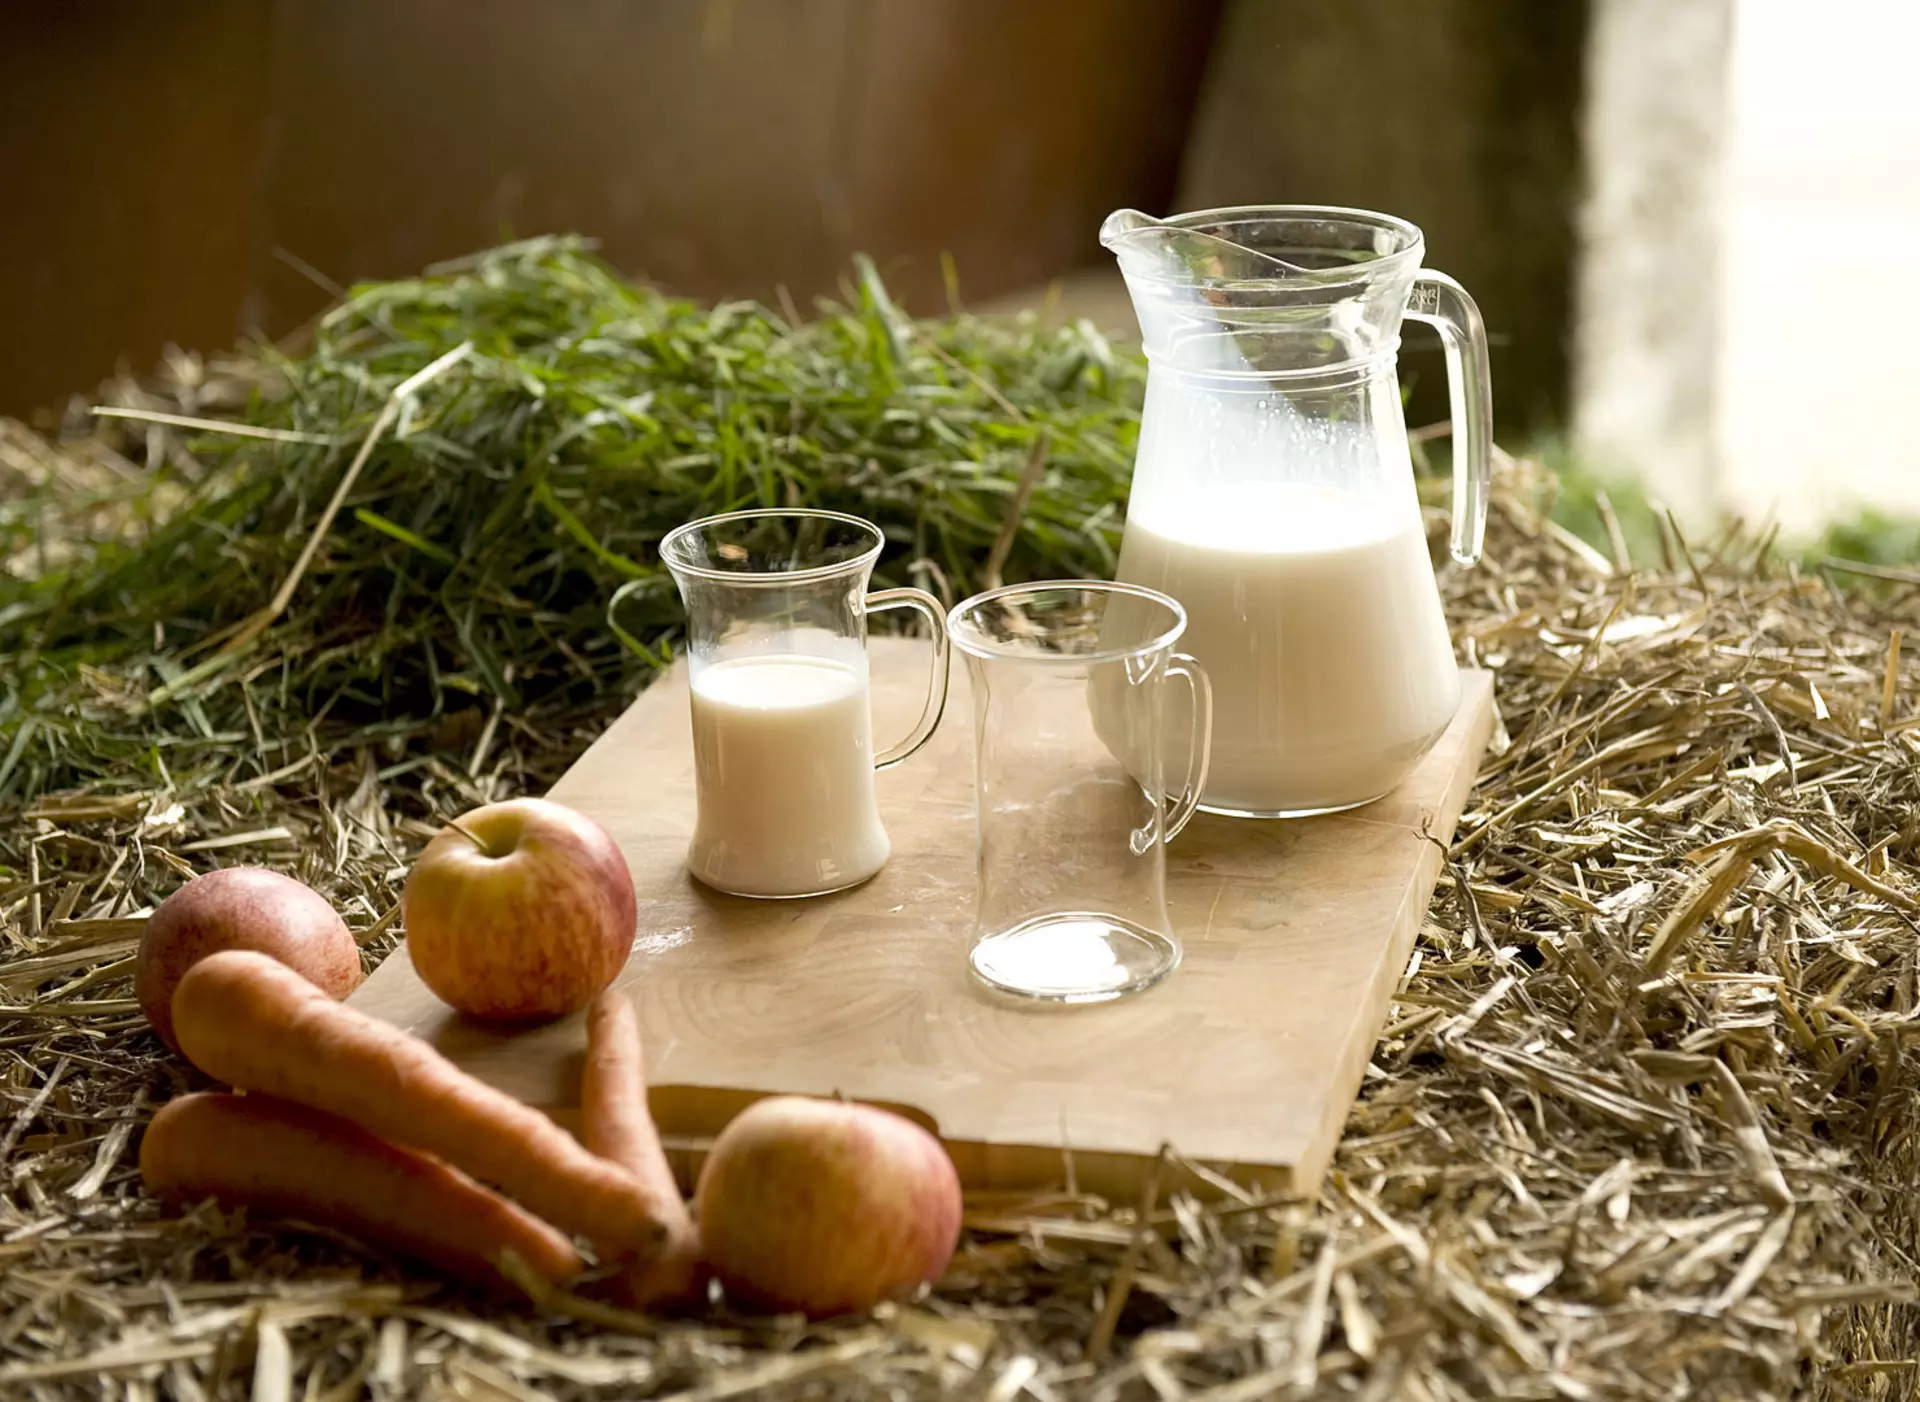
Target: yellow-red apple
(519, 910)
(825, 1208)
(241, 908)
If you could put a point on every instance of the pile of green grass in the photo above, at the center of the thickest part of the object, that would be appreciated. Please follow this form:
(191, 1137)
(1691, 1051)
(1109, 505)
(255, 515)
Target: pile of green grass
(568, 419)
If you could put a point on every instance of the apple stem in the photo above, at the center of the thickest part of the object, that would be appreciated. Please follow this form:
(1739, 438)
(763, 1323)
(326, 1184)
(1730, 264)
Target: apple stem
(470, 835)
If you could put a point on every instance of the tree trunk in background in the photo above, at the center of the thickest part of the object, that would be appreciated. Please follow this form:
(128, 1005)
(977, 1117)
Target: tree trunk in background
(1650, 286)
(1461, 115)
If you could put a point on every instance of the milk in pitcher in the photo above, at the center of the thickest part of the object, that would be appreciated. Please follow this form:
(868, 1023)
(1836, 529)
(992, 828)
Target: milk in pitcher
(783, 766)
(1273, 491)
(1316, 614)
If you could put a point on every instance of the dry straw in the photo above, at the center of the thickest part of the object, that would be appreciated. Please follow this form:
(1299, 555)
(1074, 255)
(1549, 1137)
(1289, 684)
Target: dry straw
(1641, 1125)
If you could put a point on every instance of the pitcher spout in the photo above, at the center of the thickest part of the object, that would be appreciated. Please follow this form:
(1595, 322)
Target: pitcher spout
(1266, 289)
(1187, 249)
(1117, 226)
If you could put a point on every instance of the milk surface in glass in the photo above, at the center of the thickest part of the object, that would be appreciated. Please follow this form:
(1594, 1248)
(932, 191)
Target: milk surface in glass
(1295, 544)
(783, 765)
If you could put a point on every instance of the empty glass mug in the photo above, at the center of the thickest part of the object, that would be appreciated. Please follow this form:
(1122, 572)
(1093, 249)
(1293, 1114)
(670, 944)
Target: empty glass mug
(777, 607)
(1069, 684)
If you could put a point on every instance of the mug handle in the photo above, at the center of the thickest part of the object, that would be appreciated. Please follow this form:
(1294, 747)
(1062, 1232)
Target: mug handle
(929, 608)
(1200, 753)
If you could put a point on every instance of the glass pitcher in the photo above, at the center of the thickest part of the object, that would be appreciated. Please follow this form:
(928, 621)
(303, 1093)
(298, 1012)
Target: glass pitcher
(1273, 491)
(777, 607)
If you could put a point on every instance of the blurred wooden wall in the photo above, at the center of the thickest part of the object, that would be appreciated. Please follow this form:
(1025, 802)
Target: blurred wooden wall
(133, 144)
(158, 155)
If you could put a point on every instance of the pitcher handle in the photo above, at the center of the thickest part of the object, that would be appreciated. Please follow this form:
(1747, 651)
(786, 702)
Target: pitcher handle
(929, 608)
(1200, 755)
(1444, 304)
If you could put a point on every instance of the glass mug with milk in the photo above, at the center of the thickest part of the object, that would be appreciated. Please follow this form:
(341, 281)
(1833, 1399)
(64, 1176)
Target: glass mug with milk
(777, 607)
(1273, 491)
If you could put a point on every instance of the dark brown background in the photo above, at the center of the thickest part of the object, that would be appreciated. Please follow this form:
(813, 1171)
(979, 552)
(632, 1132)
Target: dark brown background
(160, 158)
(162, 152)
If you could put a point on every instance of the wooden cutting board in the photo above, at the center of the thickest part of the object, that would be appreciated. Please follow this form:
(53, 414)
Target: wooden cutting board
(1246, 1059)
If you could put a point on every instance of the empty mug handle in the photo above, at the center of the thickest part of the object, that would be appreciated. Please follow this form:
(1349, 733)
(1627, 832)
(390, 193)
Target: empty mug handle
(929, 608)
(1200, 756)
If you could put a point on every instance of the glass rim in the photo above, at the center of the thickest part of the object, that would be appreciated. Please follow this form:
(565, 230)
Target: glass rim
(1413, 240)
(806, 574)
(959, 635)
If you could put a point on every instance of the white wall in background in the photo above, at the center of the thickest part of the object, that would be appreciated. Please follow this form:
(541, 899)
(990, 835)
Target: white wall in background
(1818, 390)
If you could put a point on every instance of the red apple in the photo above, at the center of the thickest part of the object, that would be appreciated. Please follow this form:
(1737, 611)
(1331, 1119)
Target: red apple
(241, 908)
(825, 1208)
(519, 910)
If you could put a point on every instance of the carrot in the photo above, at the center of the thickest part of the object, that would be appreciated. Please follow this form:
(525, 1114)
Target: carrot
(617, 1127)
(285, 1160)
(254, 1023)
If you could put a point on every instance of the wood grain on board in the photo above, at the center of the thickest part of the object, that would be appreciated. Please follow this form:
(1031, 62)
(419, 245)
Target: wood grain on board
(1246, 1059)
